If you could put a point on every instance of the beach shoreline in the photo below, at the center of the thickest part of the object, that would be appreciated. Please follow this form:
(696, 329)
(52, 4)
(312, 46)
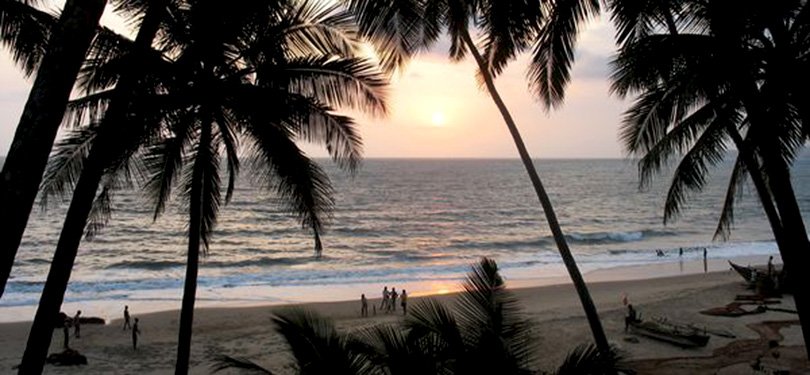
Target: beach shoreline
(561, 325)
(253, 296)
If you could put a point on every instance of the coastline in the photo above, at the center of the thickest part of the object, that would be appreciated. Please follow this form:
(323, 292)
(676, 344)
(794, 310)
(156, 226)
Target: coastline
(247, 332)
(256, 296)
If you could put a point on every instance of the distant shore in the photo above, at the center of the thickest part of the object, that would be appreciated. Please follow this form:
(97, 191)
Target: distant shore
(247, 332)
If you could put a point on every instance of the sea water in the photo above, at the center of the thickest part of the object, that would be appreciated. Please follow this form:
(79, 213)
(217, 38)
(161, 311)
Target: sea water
(397, 222)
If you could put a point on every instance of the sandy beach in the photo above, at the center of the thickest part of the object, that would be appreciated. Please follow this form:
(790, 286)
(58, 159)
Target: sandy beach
(561, 325)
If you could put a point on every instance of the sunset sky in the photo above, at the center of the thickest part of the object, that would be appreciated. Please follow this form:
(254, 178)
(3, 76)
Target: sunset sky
(437, 109)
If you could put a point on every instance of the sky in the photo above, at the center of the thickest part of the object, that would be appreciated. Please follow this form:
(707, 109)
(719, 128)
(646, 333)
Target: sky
(437, 109)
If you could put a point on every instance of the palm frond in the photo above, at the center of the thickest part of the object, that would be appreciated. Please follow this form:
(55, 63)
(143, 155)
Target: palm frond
(230, 143)
(661, 144)
(224, 362)
(388, 348)
(489, 310)
(588, 359)
(25, 30)
(550, 68)
(319, 29)
(203, 173)
(316, 345)
(100, 213)
(317, 123)
(298, 181)
(734, 190)
(690, 174)
(458, 18)
(508, 28)
(393, 27)
(436, 327)
(336, 82)
(87, 109)
(65, 164)
(164, 162)
(123, 173)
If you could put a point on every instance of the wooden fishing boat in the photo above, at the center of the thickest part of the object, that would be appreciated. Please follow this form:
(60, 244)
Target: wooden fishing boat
(751, 274)
(683, 336)
(748, 273)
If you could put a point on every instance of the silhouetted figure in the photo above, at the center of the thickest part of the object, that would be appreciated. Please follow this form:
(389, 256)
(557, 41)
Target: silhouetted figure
(770, 266)
(404, 302)
(135, 332)
(680, 252)
(632, 316)
(385, 296)
(77, 326)
(66, 332)
(126, 318)
(705, 261)
(363, 306)
(393, 302)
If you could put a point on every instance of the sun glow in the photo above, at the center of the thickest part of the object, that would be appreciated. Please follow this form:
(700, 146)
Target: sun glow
(437, 119)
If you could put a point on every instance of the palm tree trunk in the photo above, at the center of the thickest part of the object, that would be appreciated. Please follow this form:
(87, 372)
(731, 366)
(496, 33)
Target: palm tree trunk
(101, 153)
(39, 338)
(765, 196)
(796, 239)
(36, 131)
(791, 248)
(797, 254)
(562, 245)
(192, 263)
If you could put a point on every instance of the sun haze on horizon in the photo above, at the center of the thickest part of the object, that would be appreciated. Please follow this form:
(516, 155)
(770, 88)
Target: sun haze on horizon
(437, 109)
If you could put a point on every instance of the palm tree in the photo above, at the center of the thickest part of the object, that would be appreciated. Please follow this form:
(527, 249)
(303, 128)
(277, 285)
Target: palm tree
(729, 73)
(36, 131)
(270, 74)
(108, 143)
(485, 332)
(508, 28)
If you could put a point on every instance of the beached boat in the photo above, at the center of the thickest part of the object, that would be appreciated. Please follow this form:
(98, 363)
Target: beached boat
(751, 274)
(748, 273)
(687, 337)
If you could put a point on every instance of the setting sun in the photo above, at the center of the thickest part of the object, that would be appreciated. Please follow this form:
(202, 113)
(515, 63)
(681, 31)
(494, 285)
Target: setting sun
(437, 119)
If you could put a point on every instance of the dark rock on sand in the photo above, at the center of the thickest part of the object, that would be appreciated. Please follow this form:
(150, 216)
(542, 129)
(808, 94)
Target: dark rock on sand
(67, 357)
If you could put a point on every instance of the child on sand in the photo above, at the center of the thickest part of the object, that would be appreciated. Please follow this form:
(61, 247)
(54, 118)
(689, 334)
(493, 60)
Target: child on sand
(385, 295)
(363, 306)
(404, 302)
(393, 302)
(66, 331)
(76, 324)
(135, 332)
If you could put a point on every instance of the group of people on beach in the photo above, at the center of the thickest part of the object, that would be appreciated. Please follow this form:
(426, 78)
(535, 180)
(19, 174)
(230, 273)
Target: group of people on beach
(388, 302)
(76, 321)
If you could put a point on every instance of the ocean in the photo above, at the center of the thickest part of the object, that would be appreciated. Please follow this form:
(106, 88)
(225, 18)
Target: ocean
(418, 223)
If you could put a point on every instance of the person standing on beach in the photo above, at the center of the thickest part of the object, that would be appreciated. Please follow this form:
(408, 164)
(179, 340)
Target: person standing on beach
(393, 302)
(385, 295)
(126, 318)
(77, 327)
(770, 266)
(363, 306)
(404, 302)
(705, 261)
(66, 332)
(135, 332)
